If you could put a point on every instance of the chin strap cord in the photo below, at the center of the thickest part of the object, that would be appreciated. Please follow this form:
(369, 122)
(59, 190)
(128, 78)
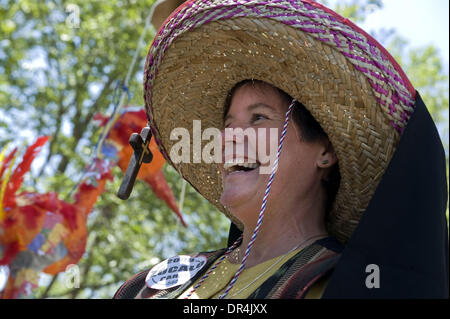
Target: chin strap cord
(258, 225)
(263, 206)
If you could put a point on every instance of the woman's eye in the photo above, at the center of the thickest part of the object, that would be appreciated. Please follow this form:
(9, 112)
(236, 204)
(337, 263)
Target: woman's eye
(257, 117)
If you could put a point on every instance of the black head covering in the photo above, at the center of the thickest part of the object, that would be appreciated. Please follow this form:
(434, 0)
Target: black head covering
(404, 229)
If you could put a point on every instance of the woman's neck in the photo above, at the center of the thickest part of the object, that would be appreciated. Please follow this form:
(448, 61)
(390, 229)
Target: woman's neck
(283, 230)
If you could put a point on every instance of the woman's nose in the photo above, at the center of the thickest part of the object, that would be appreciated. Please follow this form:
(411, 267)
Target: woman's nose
(238, 142)
(229, 139)
(233, 134)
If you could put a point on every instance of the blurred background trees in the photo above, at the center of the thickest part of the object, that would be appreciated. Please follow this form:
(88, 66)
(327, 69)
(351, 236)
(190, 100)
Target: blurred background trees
(55, 75)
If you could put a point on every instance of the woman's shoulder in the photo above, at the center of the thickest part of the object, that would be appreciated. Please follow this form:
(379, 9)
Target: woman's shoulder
(305, 275)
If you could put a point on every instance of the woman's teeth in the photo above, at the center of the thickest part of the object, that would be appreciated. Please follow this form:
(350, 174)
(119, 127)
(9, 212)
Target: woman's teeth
(233, 167)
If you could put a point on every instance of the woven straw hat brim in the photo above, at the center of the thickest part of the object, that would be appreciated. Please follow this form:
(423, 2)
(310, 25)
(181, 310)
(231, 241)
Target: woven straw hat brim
(196, 60)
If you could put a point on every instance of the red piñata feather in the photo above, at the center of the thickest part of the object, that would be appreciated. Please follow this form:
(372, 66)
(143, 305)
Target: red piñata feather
(17, 177)
(6, 162)
(132, 122)
(102, 119)
(9, 252)
(159, 185)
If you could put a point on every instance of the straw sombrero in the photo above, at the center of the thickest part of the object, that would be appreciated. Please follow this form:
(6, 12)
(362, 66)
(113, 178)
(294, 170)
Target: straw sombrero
(346, 79)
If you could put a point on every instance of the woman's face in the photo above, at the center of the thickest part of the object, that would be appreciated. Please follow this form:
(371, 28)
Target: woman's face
(300, 165)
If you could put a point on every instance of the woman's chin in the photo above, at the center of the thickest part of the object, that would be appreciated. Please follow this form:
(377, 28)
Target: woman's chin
(242, 192)
(235, 198)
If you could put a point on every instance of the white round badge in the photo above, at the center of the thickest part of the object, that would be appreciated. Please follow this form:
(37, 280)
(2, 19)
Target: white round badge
(174, 271)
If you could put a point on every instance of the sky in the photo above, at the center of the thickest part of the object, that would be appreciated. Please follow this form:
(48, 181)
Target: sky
(421, 22)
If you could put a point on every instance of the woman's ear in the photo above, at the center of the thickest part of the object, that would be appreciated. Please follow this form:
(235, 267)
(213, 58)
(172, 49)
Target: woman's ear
(327, 156)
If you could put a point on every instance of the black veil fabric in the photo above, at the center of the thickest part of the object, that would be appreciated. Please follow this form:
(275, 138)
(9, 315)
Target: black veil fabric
(404, 229)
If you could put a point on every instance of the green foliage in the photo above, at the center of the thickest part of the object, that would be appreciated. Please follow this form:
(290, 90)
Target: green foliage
(53, 78)
(355, 10)
(425, 70)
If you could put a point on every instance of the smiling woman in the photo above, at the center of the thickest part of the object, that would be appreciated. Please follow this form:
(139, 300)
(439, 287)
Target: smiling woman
(297, 207)
(344, 190)
(307, 130)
